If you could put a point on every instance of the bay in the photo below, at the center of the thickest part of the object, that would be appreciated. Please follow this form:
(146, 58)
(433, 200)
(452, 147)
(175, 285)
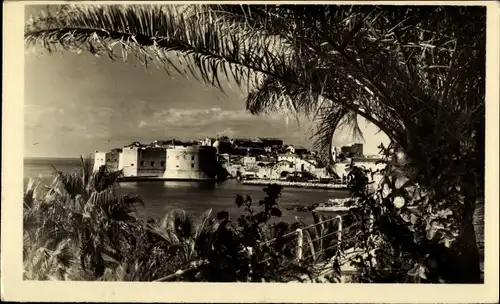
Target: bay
(194, 197)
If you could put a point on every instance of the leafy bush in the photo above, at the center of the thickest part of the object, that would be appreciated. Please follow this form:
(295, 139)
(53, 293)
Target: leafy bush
(254, 247)
(416, 227)
(79, 228)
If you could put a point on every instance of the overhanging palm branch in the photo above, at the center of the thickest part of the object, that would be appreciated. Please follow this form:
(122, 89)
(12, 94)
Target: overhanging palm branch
(152, 32)
(399, 68)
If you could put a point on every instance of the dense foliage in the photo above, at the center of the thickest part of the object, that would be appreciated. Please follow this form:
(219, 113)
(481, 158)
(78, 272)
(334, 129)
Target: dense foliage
(413, 235)
(79, 228)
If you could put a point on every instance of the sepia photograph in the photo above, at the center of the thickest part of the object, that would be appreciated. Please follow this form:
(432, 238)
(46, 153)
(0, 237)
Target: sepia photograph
(338, 144)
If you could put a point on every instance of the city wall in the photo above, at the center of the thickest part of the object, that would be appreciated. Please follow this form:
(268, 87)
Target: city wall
(181, 163)
(191, 163)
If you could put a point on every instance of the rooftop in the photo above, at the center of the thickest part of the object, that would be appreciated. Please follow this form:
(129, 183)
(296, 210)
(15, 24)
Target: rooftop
(266, 159)
(288, 154)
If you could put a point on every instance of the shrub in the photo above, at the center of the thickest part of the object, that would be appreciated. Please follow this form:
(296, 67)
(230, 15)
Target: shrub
(79, 228)
(415, 233)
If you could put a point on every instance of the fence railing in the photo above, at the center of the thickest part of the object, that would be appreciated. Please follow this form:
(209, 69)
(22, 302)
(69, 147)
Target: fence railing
(300, 236)
(320, 244)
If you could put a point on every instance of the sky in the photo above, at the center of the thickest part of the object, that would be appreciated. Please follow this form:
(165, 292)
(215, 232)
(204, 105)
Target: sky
(76, 104)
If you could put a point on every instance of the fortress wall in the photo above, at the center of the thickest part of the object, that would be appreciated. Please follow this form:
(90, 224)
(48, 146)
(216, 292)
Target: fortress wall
(128, 161)
(196, 163)
(112, 160)
(151, 162)
(99, 160)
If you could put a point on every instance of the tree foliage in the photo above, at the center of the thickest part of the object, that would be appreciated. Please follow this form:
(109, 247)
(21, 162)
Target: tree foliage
(414, 234)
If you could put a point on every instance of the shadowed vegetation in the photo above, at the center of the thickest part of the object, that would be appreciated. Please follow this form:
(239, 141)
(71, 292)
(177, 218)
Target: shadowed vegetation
(79, 228)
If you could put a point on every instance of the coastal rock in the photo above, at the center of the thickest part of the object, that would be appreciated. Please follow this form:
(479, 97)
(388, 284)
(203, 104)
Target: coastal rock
(334, 202)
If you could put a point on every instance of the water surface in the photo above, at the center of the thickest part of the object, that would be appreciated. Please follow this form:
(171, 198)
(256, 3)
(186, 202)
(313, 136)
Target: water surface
(194, 197)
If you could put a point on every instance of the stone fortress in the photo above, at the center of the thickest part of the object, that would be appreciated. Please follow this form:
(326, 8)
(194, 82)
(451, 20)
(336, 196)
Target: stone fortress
(170, 161)
(210, 158)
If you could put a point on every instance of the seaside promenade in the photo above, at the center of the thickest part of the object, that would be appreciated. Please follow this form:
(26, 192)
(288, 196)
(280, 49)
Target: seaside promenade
(263, 182)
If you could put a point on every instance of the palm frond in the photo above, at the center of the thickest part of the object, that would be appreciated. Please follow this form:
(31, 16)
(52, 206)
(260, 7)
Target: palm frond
(206, 228)
(71, 182)
(104, 178)
(218, 47)
(150, 33)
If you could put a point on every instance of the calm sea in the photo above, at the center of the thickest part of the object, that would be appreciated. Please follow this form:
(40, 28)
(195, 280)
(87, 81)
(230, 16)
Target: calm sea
(159, 197)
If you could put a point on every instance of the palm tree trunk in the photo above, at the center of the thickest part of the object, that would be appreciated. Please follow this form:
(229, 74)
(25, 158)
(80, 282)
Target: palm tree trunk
(468, 261)
(464, 264)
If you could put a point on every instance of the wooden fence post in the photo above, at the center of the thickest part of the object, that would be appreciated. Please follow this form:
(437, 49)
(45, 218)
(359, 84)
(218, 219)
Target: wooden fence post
(300, 241)
(339, 229)
(370, 228)
(250, 253)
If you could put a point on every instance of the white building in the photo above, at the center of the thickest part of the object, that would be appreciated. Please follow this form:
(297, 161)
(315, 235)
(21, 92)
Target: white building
(290, 163)
(288, 157)
(295, 149)
(342, 168)
(129, 159)
(99, 160)
(249, 162)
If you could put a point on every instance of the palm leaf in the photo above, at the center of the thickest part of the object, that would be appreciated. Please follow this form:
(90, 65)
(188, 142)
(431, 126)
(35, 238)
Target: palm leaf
(205, 227)
(220, 47)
